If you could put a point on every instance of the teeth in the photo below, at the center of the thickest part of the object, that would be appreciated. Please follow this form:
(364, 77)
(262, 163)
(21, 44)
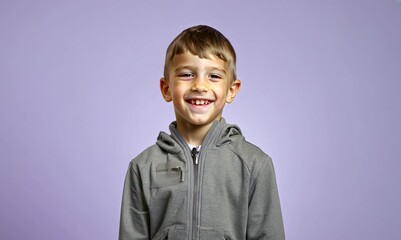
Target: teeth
(199, 102)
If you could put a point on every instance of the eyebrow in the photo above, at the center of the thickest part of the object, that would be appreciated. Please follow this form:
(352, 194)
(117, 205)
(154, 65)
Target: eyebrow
(192, 67)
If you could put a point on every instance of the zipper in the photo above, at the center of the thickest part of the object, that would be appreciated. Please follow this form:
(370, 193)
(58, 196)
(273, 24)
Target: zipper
(193, 182)
(195, 159)
(194, 155)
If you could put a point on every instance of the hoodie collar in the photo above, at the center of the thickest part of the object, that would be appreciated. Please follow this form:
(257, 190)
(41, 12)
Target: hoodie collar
(219, 133)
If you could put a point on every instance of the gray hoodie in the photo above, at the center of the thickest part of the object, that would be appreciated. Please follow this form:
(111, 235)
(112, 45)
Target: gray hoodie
(227, 190)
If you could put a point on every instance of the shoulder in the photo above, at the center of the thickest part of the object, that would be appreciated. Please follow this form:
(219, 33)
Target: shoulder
(248, 150)
(251, 155)
(146, 156)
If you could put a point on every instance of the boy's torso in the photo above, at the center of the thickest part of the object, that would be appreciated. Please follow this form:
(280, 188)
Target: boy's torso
(208, 200)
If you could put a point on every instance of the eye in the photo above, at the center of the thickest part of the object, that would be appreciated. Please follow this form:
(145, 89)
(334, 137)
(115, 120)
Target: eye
(186, 75)
(215, 77)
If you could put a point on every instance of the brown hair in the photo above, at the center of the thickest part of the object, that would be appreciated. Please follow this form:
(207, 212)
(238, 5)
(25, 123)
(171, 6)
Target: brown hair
(202, 41)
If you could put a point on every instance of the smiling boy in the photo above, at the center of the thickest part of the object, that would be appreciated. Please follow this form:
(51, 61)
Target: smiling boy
(203, 180)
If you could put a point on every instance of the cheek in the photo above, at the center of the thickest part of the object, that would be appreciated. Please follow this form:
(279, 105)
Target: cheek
(223, 92)
(177, 92)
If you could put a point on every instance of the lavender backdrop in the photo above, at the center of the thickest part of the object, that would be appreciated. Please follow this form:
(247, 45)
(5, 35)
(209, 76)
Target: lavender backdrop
(79, 98)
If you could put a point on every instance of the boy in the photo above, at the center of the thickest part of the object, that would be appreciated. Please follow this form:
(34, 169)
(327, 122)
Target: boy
(203, 181)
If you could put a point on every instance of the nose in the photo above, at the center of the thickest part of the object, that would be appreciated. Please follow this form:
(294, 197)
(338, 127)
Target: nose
(200, 85)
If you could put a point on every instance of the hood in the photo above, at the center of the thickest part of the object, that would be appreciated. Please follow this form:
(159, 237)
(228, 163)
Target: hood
(219, 134)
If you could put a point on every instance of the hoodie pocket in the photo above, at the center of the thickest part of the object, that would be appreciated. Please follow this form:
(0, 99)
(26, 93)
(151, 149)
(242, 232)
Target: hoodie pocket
(161, 235)
(168, 174)
(212, 234)
(175, 232)
(178, 232)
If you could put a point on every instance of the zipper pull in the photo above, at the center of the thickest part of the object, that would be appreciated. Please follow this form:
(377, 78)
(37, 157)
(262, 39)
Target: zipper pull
(181, 172)
(194, 154)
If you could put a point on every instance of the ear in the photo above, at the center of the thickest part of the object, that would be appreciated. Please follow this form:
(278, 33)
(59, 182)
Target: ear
(233, 90)
(165, 89)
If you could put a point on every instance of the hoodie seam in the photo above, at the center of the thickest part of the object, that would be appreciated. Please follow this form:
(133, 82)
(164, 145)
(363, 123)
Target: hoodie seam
(236, 154)
(144, 186)
(265, 160)
(139, 176)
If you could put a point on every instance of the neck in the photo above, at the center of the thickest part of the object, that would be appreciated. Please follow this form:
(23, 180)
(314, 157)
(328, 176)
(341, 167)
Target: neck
(193, 134)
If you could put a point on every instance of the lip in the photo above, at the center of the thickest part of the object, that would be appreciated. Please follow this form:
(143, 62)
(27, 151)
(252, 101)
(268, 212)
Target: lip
(189, 97)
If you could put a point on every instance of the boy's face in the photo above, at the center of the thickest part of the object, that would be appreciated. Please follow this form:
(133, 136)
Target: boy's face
(199, 89)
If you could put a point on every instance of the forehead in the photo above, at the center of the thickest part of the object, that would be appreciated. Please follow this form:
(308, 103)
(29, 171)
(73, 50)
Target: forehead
(189, 60)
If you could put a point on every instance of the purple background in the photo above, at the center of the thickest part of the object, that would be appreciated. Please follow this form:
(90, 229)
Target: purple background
(79, 98)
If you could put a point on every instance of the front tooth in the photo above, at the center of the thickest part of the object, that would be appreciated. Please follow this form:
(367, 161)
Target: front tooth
(202, 102)
(197, 102)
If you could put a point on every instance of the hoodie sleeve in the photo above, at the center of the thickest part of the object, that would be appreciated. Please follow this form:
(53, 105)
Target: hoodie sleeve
(134, 219)
(264, 216)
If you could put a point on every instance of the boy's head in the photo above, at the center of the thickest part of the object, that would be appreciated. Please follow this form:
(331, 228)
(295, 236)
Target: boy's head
(204, 42)
(199, 77)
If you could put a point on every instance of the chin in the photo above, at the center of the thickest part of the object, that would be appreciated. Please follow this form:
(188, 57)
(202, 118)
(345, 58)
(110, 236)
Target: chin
(200, 122)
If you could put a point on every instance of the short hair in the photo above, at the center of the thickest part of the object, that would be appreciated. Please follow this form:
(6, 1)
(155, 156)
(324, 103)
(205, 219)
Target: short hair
(202, 41)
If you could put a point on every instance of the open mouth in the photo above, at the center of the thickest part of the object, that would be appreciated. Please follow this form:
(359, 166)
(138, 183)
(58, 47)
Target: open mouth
(198, 102)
